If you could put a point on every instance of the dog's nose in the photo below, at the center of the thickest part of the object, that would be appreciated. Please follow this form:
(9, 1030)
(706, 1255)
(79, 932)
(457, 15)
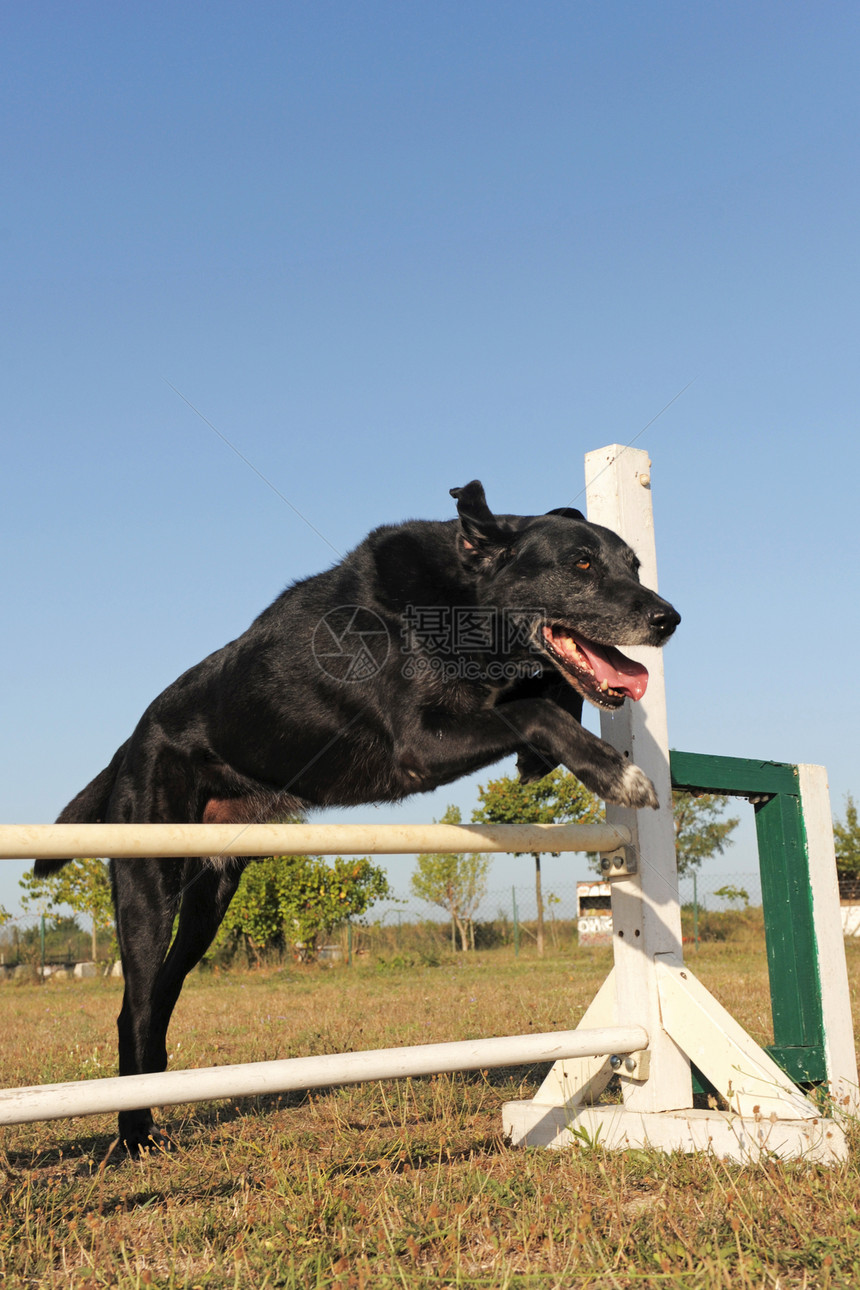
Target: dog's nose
(664, 619)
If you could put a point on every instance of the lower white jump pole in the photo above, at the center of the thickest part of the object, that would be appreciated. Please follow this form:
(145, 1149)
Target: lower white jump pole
(128, 1092)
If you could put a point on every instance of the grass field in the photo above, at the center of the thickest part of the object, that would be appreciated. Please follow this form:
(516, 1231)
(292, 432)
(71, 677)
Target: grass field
(403, 1184)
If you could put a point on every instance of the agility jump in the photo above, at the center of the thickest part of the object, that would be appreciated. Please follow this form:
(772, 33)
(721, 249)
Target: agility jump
(650, 1023)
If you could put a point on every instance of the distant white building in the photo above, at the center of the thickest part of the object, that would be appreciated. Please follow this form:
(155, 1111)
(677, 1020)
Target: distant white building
(594, 913)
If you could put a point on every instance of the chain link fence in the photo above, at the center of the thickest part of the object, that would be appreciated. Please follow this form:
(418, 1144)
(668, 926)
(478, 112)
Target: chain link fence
(31, 944)
(401, 926)
(709, 904)
(717, 894)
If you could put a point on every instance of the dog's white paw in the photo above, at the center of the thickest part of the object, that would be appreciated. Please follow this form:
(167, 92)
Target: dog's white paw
(636, 789)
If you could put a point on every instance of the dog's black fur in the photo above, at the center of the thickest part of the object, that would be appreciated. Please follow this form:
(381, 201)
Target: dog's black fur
(280, 720)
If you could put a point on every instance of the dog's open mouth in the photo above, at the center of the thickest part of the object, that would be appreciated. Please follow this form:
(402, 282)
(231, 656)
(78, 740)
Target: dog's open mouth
(600, 672)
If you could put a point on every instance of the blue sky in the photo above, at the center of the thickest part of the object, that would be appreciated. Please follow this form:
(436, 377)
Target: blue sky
(386, 248)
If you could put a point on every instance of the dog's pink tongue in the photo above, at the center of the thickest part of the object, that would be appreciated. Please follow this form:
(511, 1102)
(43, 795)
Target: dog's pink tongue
(619, 671)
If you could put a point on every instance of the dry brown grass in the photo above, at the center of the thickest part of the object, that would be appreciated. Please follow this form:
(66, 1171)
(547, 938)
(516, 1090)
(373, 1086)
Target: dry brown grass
(401, 1184)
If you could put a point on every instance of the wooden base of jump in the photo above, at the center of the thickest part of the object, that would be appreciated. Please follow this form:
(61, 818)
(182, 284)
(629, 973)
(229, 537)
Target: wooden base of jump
(745, 1139)
(767, 1114)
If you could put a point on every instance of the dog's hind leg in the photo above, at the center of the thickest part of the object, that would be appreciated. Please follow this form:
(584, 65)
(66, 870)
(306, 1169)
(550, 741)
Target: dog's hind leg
(155, 968)
(204, 903)
(146, 898)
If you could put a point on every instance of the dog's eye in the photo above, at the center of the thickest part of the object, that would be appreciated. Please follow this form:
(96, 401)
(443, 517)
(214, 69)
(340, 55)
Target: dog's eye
(583, 564)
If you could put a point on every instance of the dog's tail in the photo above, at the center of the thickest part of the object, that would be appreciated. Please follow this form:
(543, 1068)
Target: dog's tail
(87, 808)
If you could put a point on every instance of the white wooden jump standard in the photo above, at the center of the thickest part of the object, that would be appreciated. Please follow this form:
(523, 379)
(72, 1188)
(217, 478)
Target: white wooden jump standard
(649, 982)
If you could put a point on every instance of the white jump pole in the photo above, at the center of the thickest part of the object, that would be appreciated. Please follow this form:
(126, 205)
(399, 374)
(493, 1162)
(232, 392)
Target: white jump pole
(91, 1097)
(126, 841)
(126, 1093)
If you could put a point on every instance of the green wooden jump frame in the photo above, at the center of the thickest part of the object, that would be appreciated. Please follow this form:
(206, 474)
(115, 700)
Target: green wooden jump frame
(796, 988)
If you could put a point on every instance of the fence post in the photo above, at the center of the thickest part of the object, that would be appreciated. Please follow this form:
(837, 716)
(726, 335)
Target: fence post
(516, 924)
(646, 911)
(695, 910)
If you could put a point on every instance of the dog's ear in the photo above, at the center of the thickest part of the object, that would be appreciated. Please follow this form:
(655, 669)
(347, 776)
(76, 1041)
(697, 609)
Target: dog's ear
(569, 513)
(482, 538)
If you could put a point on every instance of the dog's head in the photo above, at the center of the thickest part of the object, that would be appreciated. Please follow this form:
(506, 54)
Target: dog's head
(574, 586)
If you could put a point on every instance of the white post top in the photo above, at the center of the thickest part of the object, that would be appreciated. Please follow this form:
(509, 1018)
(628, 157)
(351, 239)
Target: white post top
(614, 477)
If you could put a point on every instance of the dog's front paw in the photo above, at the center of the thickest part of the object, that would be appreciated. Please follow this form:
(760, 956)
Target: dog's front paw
(635, 789)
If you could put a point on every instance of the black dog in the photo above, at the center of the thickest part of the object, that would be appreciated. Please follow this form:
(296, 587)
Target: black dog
(432, 650)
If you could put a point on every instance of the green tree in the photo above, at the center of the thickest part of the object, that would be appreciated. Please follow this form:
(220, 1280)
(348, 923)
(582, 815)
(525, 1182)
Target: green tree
(456, 882)
(846, 836)
(558, 798)
(289, 900)
(699, 832)
(733, 894)
(82, 885)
